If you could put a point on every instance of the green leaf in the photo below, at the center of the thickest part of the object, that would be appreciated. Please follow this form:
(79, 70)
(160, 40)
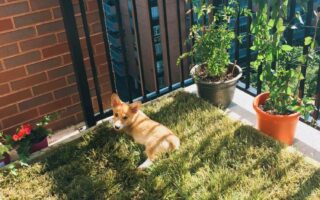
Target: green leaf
(280, 26)
(289, 91)
(307, 40)
(271, 23)
(286, 47)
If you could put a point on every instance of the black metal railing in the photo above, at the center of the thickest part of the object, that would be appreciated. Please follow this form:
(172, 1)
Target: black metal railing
(250, 82)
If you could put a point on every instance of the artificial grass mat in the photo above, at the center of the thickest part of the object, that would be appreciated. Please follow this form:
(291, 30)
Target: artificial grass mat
(218, 159)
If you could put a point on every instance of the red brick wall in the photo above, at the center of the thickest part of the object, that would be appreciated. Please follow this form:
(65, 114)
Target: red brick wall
(36, 72)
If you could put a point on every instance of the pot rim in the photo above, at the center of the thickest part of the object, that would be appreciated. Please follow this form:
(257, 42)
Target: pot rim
(256, 103)
(192, 71)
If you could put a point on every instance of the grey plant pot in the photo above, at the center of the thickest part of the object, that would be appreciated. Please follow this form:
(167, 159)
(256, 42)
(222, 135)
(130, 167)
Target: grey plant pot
(218, 93)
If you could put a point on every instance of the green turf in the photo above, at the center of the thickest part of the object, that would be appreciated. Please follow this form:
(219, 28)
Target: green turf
(218, 159)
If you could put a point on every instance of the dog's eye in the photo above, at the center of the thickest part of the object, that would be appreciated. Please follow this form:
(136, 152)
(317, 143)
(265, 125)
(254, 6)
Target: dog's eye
(125, 117)
(116, 114)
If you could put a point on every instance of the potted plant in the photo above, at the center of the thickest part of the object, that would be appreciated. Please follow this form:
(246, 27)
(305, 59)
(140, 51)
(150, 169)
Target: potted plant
(215, 76)
(29, 139)
(278, 110)
(4, 153)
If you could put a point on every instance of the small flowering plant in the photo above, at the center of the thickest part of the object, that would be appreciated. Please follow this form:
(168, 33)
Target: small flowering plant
(3, 147)
(28, 135)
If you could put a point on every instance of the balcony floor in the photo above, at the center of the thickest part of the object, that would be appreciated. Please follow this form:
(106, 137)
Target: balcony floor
(306, 139)
(218, 159)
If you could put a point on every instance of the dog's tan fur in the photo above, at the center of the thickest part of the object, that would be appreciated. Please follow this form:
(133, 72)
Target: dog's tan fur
(154, 136)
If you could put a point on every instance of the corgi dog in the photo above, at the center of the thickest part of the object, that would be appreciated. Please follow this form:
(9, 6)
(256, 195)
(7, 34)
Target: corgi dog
(156, 138)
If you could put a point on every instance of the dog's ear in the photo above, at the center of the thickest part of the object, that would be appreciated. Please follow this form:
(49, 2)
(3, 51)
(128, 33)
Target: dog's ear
(115, 100)
(135, 106)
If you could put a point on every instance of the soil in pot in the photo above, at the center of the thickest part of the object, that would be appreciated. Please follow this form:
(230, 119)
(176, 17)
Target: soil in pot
(279, 127)
(202, 74)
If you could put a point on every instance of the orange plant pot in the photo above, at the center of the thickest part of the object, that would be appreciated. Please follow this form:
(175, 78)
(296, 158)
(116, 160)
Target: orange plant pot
(279, 127)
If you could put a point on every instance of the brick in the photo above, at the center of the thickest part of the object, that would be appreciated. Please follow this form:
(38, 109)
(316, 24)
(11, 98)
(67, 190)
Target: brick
(38, 42)
(75, 98)
(71, 79)
(80, 117)
(10, 75)
(14, 97)
(20, 118)
(49, 86)
(35, 102)
(100, 48)
(67, 59)
(65, 91)
(32, 18)
(54, 106)
(93, 17)
(61, 71)
(22, 59)
(50, 27)
(8, 50)
(62, 37)
(92, 5)
(14, 8)
(4, 88)
(95, 28)
(55, 50)
(71, 110)
(100, 59)
(56, 12)
(8, 111)
(96, 38)
(41, 4)
(28, 81)
(44, 65)
(5, 24)
(17, 35)
(62, 123)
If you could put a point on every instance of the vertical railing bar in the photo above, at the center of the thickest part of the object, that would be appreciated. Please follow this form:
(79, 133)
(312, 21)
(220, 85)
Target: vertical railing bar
(91, 57)
(204, 18)
(305, 47)
(236, 51)
(123, 49)
(259, 82)
(77, 60)
(289, 35)
(106, 45)
(164, 2)
(153, 49)
(180, 43)
(292, 13)
(249, 43)
(136, 24)
(192, 21)
(317, 100)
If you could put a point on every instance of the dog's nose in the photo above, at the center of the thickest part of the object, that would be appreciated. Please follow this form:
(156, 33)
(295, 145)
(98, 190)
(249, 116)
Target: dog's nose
(117, 127)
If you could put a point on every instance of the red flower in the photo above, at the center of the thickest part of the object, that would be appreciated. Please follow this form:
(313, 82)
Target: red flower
(15, 137)
(27, 128)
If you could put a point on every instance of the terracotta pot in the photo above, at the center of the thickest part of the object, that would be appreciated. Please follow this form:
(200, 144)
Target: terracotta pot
(279, 127)
(5, 160)
(40, 145)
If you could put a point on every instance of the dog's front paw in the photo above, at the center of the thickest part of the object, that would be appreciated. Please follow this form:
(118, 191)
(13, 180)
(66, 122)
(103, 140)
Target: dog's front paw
(146, 164)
